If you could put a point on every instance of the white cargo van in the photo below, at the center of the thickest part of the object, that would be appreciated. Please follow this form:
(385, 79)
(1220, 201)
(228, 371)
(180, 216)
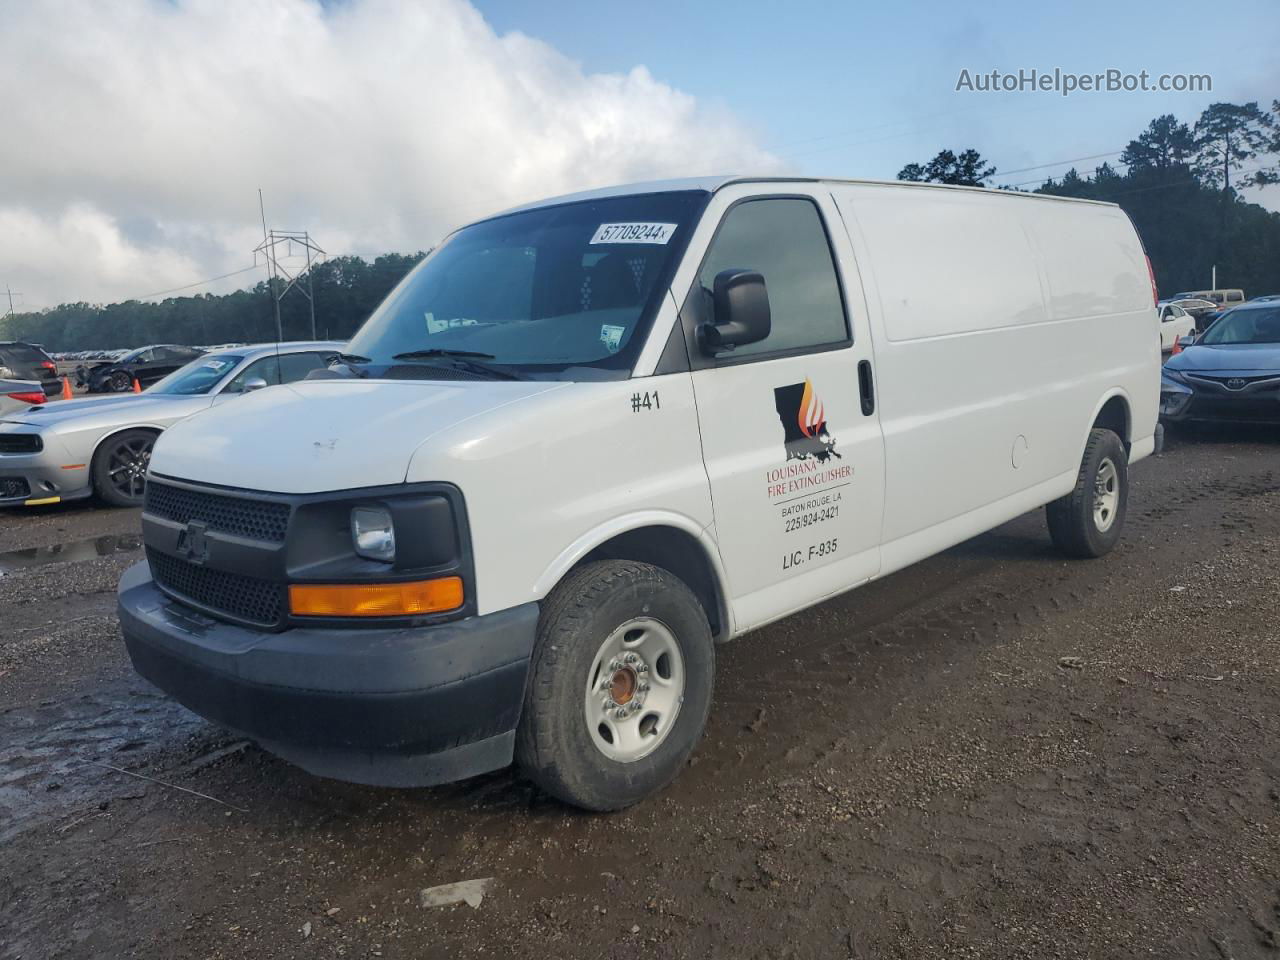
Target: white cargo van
(587, 438)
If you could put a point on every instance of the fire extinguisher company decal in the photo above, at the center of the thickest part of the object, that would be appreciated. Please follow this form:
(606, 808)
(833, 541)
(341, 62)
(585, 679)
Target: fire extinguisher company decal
(807, 489)
(804, 423)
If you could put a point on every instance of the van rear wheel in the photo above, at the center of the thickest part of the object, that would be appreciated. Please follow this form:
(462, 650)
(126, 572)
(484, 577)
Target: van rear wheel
(620, 685)
(1088, 521)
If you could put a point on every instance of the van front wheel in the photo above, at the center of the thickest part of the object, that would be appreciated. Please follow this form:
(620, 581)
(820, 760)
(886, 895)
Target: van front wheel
(620, 685)
(1088, 521)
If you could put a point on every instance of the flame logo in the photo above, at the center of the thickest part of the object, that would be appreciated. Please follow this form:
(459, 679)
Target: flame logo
(812, 416)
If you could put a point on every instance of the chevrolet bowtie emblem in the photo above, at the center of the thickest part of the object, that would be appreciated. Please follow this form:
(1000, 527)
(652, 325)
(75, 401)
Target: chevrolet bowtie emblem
(193, 545)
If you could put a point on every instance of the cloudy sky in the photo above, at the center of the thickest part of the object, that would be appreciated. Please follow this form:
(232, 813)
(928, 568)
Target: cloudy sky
(137, 132)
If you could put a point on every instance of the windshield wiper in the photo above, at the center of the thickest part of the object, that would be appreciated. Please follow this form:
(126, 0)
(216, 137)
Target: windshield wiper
(437, 352)
(351, 358)
(465, 359)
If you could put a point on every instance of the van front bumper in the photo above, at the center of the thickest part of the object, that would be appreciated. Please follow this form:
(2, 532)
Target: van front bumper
(398, 707)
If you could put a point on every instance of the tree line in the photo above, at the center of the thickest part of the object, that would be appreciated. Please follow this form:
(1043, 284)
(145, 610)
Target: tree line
(1180, 184)
(346, 291)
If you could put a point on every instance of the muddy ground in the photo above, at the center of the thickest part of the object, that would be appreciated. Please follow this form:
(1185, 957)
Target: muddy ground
(996, 753)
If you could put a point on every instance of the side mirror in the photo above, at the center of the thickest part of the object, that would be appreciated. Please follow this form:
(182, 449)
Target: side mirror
(741, 312)
(252, 384)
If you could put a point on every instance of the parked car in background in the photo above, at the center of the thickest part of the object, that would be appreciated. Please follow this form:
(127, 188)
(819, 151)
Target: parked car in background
(147, 365)
(1199, 309)
(1193, 305)
(1230, 372)
(19, 394)
(1209, 319)
(1175, 323)
(102, 445)
(1223, 298)
(26, 361)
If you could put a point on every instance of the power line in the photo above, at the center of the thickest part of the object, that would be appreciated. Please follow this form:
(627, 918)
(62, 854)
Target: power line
(1041, 180)
(913, 125)
(198, 283)
(1165, 186)
(1058, 163)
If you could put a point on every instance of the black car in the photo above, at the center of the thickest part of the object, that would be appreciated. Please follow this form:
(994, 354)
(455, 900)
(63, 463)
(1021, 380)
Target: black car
(26, 361)
(1230, 372)
(147, 365)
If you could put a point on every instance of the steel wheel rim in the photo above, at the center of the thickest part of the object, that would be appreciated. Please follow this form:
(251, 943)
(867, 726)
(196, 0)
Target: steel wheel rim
(634, 690)
(127, 467)
(1106, 495)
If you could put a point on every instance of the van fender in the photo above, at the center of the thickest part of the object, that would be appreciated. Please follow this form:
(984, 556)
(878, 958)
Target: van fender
(1111, 394)
(593, 538)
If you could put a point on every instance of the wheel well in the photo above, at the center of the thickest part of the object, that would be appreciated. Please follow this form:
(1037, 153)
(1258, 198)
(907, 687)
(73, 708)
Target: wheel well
(97, 449)
(678, 553)
(1114, 416)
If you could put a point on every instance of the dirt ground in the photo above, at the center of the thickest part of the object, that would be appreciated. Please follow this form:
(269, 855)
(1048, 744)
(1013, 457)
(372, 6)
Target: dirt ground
(996, 753)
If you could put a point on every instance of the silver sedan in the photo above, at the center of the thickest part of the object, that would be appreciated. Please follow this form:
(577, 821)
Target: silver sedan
(74, 448)
(19, 394)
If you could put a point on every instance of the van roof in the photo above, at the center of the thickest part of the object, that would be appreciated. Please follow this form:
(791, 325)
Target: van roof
(714, 183)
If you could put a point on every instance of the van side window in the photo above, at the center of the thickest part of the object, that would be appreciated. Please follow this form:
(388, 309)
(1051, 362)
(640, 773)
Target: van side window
(784, 241)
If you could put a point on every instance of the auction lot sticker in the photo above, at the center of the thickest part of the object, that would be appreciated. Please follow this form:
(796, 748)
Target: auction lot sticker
(634, 233)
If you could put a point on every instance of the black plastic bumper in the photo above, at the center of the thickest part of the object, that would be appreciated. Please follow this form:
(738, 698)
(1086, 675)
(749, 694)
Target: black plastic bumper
(395, 707)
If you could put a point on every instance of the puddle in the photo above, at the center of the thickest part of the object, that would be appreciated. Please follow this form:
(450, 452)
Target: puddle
(75, 552)
(43, 749)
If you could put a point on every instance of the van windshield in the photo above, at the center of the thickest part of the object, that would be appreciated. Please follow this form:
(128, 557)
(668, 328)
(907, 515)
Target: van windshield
(563, 292)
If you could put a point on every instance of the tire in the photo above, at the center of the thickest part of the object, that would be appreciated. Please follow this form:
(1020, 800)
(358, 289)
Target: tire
(1088, 521)
(120, 466)
(118, 382)
(574, 694)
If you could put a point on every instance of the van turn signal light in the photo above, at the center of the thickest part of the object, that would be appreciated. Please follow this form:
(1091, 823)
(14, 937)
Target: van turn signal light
(409, 599)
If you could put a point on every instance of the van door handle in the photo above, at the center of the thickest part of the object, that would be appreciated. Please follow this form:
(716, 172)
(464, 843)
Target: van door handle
(866, 388)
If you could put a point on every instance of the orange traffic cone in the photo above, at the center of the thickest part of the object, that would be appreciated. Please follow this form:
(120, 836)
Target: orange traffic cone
(67, 394)
(1177, 347)
(137, 387)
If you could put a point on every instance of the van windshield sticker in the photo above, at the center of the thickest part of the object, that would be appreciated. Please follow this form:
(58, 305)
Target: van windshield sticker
(634, 233)
(611, 336)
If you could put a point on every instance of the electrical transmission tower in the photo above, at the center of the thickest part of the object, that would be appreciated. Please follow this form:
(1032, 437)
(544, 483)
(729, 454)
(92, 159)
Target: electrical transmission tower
(9, 315)
(281, 278)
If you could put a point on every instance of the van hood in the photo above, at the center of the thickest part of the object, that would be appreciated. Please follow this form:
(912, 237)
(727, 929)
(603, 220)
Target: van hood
(325, 435)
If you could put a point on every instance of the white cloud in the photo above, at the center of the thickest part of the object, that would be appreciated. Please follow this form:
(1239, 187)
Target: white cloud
(139, 131)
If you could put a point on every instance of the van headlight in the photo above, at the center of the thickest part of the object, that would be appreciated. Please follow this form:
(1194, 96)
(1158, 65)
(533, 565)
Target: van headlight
(373, 534)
